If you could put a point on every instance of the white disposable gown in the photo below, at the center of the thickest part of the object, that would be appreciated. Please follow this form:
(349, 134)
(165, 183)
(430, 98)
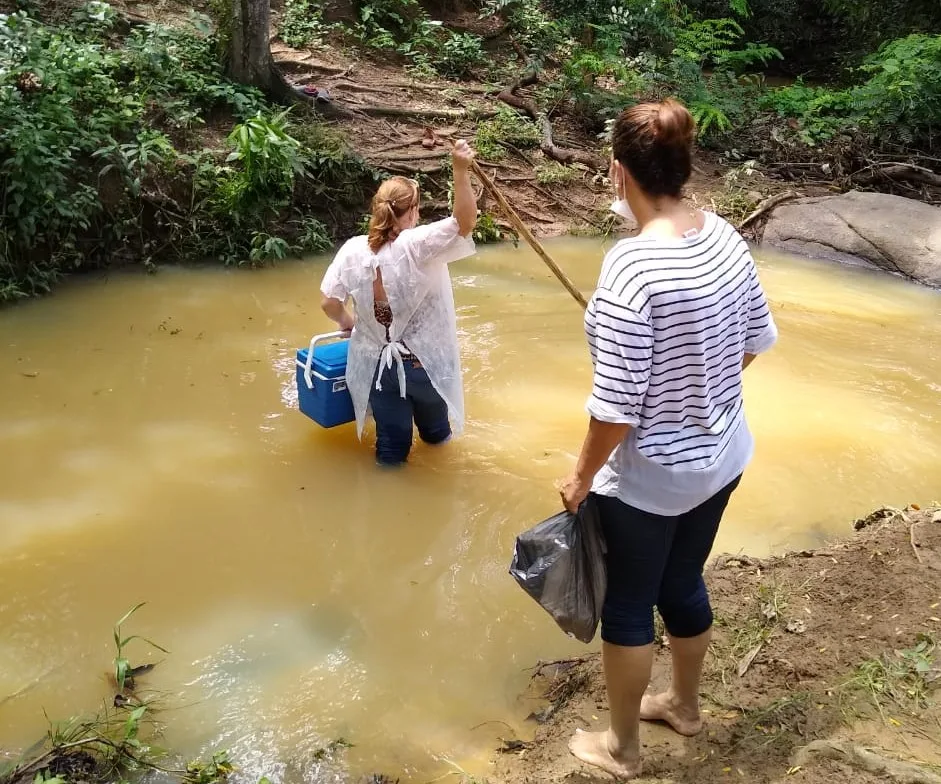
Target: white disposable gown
(415, 275)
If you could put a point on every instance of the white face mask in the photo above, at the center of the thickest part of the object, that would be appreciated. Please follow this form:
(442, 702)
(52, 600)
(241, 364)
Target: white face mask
(622, 208)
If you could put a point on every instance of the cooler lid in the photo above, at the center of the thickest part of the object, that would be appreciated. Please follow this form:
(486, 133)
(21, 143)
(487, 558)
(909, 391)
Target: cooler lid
(330, 358)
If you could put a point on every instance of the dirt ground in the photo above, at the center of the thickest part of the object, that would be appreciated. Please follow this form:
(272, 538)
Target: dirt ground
(393, 112)
(394, 142)
(817, 656)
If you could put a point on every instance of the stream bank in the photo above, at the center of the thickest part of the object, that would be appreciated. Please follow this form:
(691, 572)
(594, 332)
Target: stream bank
(818, 655)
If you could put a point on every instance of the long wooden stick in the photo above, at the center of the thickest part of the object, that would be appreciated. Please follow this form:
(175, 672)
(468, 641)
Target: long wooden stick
(527, 234)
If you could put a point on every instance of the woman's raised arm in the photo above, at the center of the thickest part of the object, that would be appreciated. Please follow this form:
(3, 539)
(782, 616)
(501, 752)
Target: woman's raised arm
(465, 203)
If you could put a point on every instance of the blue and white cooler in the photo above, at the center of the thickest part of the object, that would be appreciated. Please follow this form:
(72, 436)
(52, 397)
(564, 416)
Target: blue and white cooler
(321, 380)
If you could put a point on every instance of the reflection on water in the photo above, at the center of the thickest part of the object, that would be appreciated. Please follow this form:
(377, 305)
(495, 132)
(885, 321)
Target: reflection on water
(154, 454)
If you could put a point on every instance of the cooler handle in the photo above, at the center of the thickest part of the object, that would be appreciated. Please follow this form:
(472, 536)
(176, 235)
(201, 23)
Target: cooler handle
(310, 352)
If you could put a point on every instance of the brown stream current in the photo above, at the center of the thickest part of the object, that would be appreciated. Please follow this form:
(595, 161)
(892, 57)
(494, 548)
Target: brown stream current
(152, 452)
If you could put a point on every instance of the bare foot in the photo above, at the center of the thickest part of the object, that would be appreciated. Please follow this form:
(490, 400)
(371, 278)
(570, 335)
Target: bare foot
(593, 748)
(663, 707)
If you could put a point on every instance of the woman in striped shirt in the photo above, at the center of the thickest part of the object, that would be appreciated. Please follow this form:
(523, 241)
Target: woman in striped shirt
(677, 315)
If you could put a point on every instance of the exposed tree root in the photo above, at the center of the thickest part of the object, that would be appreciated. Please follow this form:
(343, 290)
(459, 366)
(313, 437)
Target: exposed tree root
(379, 110)
(897, 171)
(424, 155)
(864, 759)
(549, 148)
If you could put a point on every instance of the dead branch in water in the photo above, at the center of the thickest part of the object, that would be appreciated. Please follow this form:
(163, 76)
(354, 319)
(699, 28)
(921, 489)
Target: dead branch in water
(570, 662)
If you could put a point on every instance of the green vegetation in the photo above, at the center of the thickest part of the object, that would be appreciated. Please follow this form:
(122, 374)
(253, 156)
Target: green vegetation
(127, 143)
(508, 129)
(488, 230)
(117, 743)
(552, 173)
(404, 28)
(123, 672)
(112, 744)
(114, 148)
(900, 99)
(747, 635)
(303, 24)
(901, 681)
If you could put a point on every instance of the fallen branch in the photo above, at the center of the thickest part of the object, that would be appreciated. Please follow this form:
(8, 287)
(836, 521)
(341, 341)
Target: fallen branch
(403, 167)
(424, 155)
(571, 661)
(767, 205)
(358, 88)
(549, 148)
(520, 178)
(537, 216)
(869, 761)
(449, 114)
(396, 146)
(897, 171)
(580, 211)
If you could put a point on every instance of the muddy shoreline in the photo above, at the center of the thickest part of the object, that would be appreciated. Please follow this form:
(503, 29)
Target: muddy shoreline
(818, 657)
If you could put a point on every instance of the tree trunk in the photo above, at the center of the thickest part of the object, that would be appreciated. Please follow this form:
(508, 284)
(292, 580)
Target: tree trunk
(250, 61)
(250, 52)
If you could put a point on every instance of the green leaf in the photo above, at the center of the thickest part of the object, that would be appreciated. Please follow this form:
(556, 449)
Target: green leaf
(129, 613)
(126, 640)
(121, 668)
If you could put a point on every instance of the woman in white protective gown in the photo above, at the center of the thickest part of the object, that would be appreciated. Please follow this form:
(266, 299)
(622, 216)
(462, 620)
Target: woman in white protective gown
(404, 365)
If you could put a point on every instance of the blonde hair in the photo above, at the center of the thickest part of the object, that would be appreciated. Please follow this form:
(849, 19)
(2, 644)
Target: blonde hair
(395, 197)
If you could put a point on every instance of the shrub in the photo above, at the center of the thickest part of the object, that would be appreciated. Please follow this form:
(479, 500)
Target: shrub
(508, 127)
(553, 173)
(93, 159)
(302, 26)
(900, 101)
(902, 97)
(459, 53)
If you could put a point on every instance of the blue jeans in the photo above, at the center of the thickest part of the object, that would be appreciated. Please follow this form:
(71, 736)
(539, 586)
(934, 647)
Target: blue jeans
(395, 414)
(657, 560)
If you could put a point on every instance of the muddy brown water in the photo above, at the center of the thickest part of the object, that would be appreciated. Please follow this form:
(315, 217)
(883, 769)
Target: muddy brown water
(152, 452)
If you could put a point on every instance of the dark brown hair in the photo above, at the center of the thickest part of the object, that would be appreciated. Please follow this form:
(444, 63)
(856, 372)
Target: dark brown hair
(395, 197)
(654, 142)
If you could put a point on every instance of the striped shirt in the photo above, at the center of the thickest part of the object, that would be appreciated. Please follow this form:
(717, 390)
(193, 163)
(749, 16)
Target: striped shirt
(668, 327)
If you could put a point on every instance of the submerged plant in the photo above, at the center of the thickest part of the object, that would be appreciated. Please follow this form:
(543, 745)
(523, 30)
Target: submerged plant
(215, 771)
(123, 672)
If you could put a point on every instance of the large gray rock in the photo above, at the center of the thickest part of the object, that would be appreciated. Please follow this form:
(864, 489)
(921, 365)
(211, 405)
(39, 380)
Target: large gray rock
(874, 229)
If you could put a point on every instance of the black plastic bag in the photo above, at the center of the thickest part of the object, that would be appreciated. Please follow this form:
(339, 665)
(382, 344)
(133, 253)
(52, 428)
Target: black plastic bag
(560, 563)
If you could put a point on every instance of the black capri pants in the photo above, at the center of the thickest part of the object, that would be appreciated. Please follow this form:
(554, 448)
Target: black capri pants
(655, 560)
